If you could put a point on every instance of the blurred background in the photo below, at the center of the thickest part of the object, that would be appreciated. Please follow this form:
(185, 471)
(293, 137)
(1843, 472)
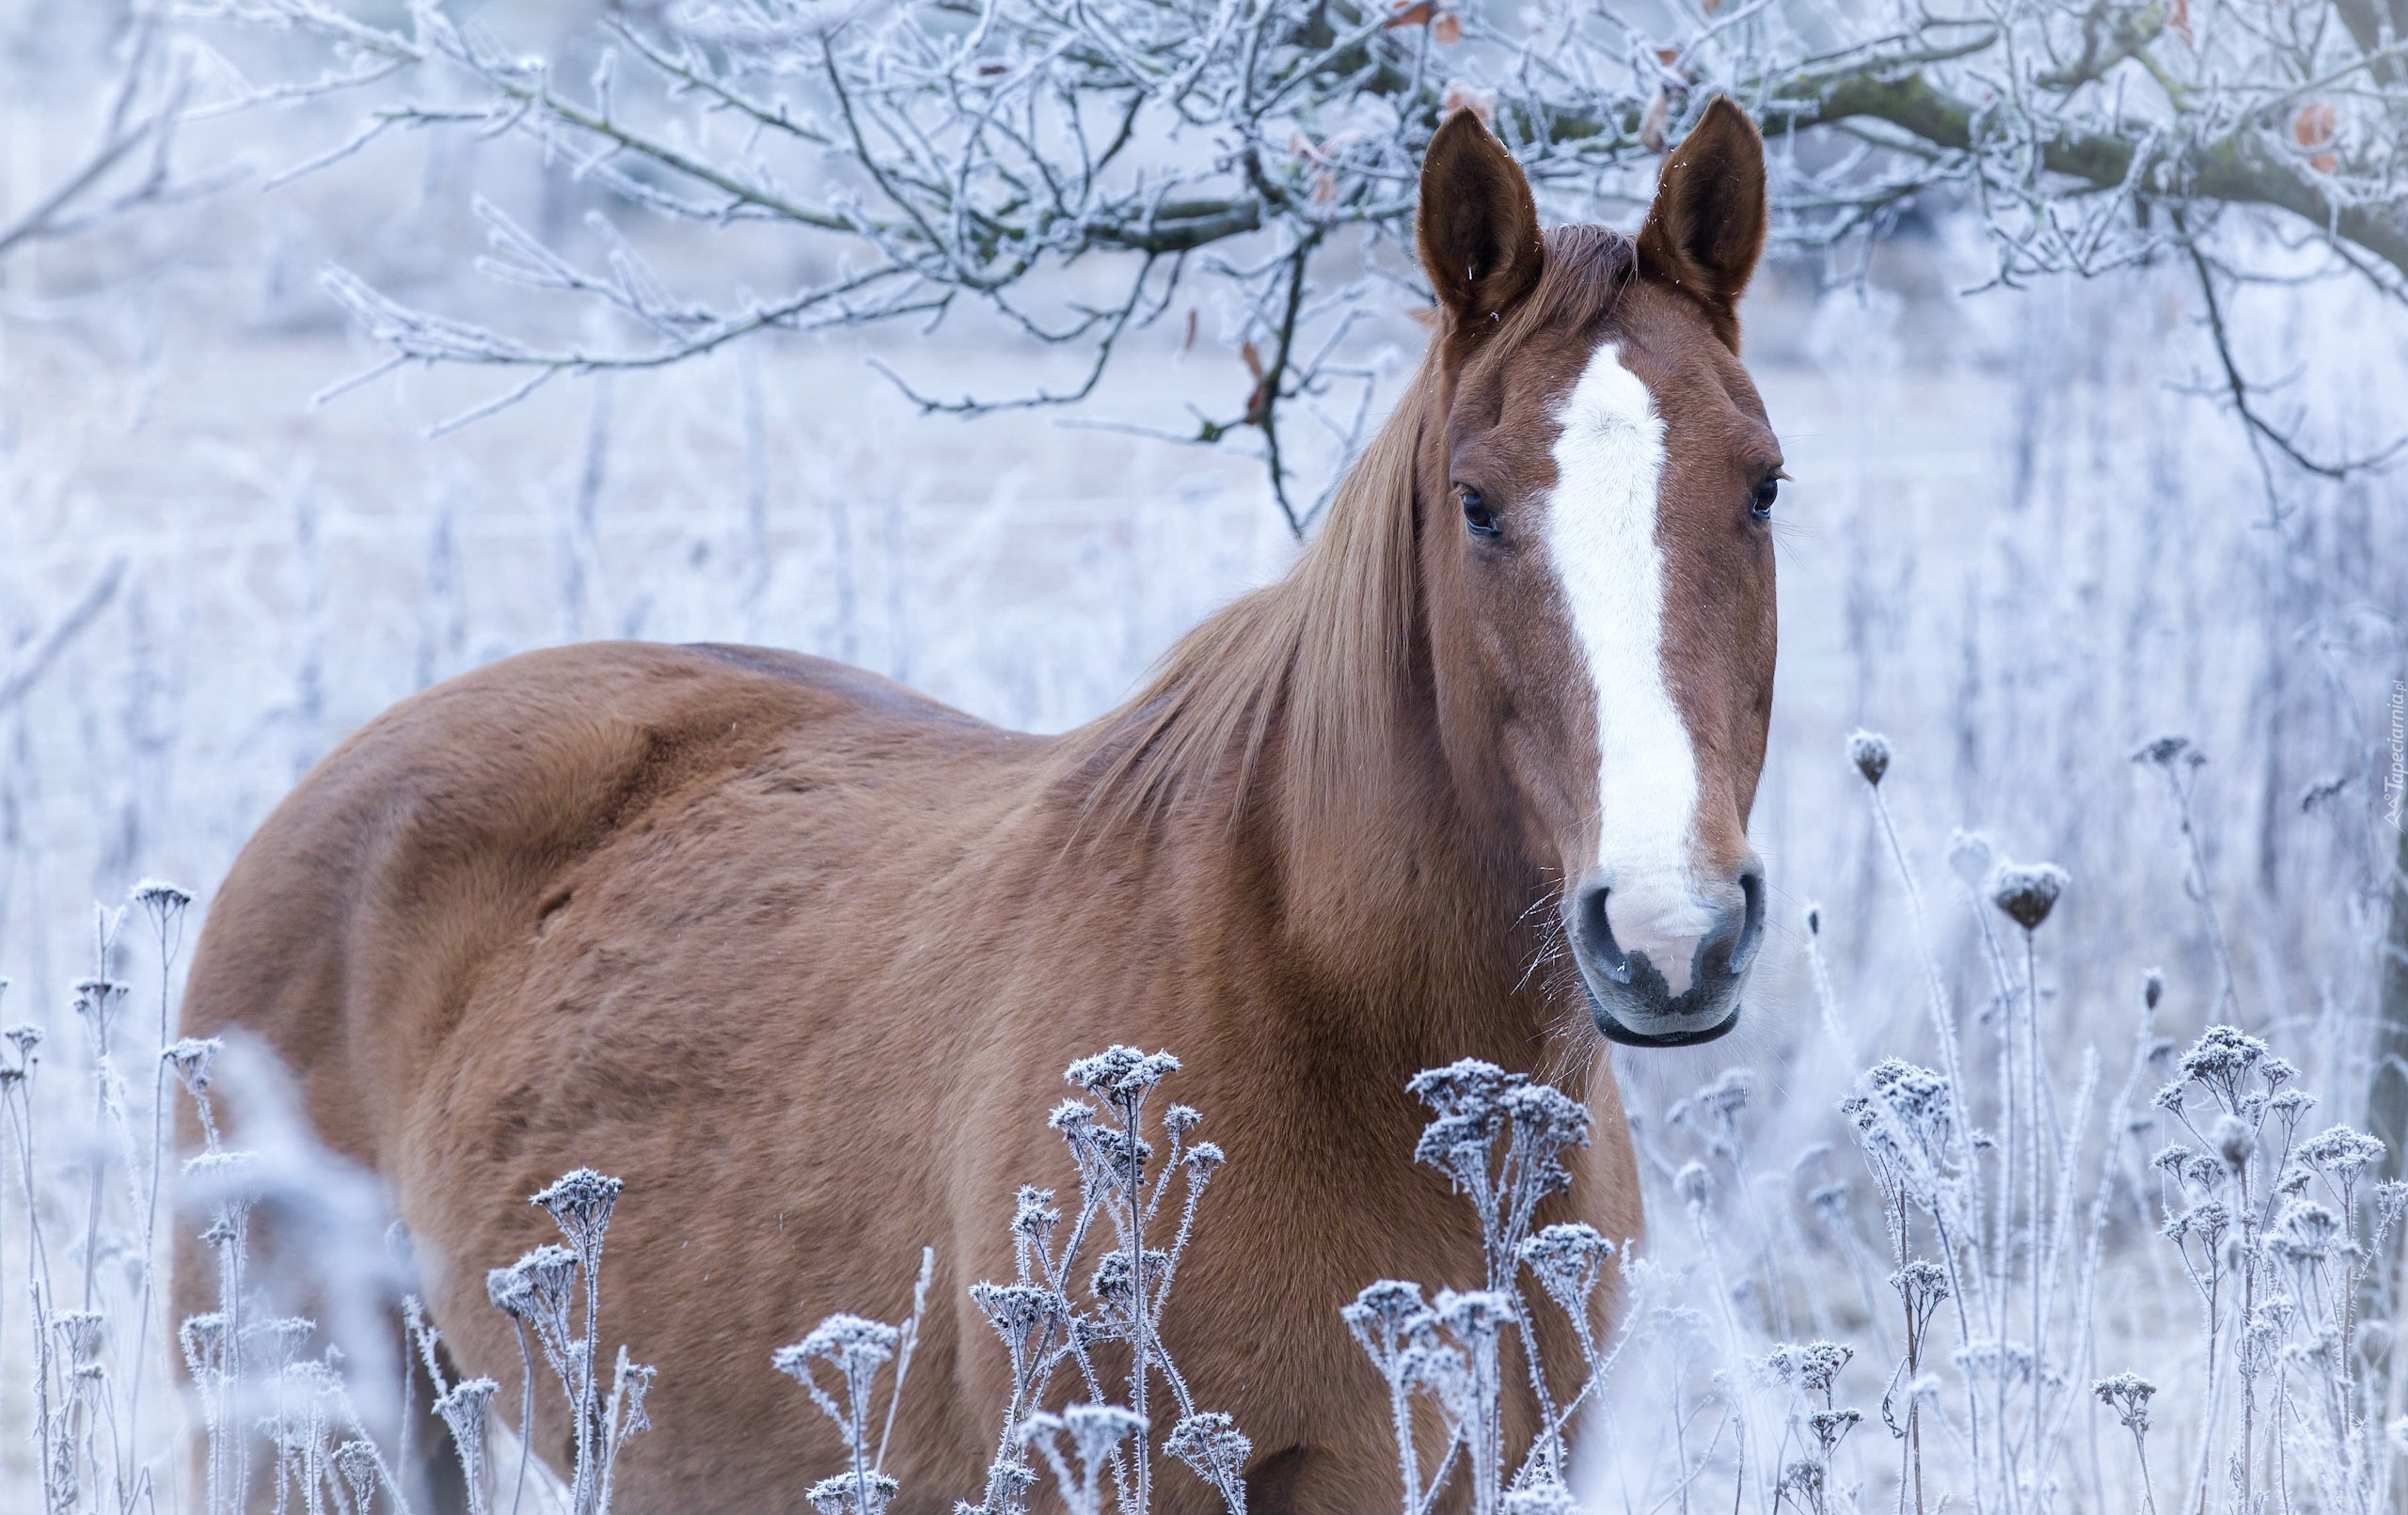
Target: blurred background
(2026, 536)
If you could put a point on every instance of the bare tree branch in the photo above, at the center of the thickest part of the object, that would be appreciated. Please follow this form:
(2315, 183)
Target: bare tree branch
(145, 105)
(1010, 153)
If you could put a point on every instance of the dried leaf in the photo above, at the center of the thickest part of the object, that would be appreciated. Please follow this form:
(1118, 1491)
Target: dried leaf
(1188, 342)
(2314, 124)
(1651, 126)
(1462, 96)
(1252, 359)
(1411, 13)
(1448, 29)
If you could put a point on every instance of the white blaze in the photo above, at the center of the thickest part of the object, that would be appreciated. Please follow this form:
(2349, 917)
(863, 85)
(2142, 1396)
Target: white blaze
(1601, 537)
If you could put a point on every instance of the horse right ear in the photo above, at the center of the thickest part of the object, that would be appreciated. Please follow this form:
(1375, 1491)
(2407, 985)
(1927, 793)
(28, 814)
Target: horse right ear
(1706, 229)
(1478, 227)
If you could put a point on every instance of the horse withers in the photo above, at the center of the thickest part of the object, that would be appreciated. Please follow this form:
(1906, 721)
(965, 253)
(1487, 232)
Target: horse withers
(802, 955)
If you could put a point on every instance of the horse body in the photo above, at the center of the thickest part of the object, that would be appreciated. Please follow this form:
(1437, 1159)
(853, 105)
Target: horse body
(700, 918)
(801, 955)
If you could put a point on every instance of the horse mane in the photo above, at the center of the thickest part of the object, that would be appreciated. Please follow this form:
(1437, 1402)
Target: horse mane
(1324, 655)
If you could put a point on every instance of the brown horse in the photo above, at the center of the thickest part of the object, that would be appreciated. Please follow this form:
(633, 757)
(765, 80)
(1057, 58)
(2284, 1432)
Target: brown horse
(802, 955)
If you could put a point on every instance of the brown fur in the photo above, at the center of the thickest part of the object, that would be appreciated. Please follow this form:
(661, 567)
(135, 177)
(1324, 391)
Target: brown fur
(801, 955)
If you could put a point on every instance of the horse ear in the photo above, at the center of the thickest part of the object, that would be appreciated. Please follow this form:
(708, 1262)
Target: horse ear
(1707, 224)
(1478, 228)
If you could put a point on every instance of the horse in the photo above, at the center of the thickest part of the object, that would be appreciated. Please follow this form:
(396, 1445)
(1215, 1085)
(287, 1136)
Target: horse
(802, 955)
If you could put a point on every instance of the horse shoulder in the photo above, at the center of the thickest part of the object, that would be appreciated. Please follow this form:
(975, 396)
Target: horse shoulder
(357, 921)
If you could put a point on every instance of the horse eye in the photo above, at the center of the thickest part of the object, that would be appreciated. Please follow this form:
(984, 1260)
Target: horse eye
(1476, 514)
(1760, 505)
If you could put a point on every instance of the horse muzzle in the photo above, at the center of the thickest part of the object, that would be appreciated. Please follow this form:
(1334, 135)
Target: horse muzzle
(1629, 996)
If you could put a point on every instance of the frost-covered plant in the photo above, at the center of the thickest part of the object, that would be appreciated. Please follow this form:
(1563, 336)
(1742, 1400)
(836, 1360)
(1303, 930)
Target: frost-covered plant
(2127, 1394)
(462, 1406)
(1500, 1138)
(1095, 1433)
(1812, 1372)
(854, 1349)
(2000, 1262)
(1045, 1325)
(542, 1293)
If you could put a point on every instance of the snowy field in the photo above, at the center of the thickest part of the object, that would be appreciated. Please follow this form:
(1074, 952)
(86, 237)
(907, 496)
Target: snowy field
(2019, 544)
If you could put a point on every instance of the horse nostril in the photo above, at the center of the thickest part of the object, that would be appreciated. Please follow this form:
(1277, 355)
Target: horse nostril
(1594, 934)
(1751, 923)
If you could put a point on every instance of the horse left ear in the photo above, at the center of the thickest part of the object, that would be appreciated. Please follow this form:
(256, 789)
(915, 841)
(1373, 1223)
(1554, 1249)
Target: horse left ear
(1478, 227)
(1706, 228)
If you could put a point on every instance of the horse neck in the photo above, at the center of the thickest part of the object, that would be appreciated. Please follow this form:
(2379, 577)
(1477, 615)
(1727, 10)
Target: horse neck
(1285, 770)
(1403, 897)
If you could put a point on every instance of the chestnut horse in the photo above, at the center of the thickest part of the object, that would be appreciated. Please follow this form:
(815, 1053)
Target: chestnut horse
(802, 955)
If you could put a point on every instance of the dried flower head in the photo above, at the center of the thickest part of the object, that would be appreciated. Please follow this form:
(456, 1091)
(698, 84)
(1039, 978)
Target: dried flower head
(1094, 1432)
(1922, 1283)
(464, 1404)
(1728, 1095)
(2028, 892)
(1970, 856)
(1870, 753)
(2390, 1200)
(1542, 1495)
(1121, 1071)
(158, 895)
(1391, 1303)
(1474, 1314)
(853, 1343)
(1115, 1284)
(188, 1059)
(361, 1469)
(1694, 1185)
(845, 1494)
(2341, 1152)
(537, 1289)
(1567, 1257)
(579, 1202)
(2220, 1059)
(1215, 1450)
(1072, 1119)
(2209, 1222)
(2306, 1232)
(507, 1290)
(79, 1335)
(2291, 1104)
(1831, 1428)
(1819, 1363)
(1034, 1216)
(2127, 1394)
(1018, 1311)
(2235, 1140)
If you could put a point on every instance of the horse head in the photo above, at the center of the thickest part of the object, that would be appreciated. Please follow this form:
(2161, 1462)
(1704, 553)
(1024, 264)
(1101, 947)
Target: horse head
(1594, 484)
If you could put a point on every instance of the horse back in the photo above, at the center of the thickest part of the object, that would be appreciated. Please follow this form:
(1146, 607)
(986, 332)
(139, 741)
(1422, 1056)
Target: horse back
(357, 924)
